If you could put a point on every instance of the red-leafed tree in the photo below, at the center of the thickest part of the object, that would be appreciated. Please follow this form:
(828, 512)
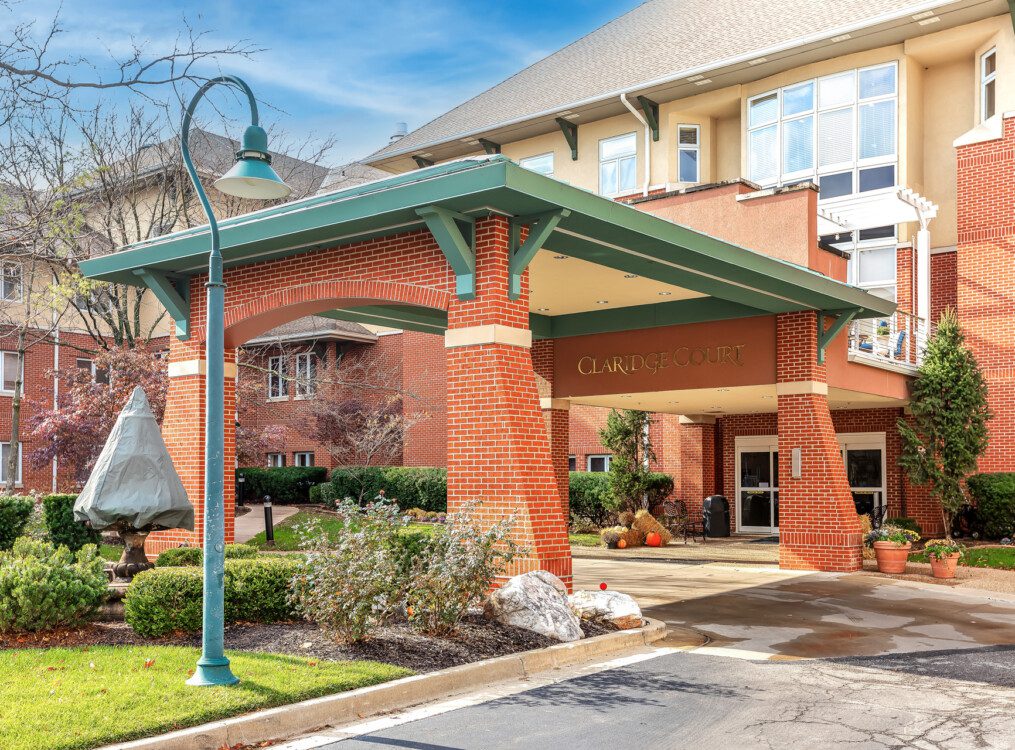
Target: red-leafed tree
(76, 430)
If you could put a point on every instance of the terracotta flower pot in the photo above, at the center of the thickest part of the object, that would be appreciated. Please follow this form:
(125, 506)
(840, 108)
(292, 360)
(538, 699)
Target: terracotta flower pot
(892, 557)
(944, 566)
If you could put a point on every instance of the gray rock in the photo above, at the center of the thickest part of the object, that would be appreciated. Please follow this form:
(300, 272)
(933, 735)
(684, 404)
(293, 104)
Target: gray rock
(609, 606)
(535, 601)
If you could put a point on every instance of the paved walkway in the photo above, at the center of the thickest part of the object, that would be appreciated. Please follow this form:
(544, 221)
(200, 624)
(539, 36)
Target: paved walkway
(735, 549)
(251, 524)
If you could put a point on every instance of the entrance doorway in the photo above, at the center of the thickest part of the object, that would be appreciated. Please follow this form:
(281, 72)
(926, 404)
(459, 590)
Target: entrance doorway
(864, 456)
(757, 484)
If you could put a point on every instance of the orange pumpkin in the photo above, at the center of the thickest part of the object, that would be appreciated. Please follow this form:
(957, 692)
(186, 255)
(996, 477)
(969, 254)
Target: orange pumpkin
(621, 543)
(652, 539)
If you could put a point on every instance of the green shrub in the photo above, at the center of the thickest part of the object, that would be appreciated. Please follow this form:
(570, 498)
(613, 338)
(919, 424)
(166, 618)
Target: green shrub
(409, 486)
(592, 502)
(904, 522)
(166, 600)
(285, 484)
(324, 493)
(994, 497)
(63, 529)
(408, 546)
(660, 487)
(44, 587)
(14, 515)
(184, 556)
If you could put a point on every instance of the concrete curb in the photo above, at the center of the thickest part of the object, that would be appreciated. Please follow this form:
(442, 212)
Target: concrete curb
(285, 722)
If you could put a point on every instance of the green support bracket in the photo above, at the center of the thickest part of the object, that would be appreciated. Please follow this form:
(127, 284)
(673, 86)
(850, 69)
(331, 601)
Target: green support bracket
(540, 228)
(177, 304)
(651, 111)
(422, 162)
(490, 147)
(456, 235)
(570, 131)
(840, 319)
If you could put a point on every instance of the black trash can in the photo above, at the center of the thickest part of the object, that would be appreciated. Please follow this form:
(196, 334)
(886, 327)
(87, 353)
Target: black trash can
(716, 516)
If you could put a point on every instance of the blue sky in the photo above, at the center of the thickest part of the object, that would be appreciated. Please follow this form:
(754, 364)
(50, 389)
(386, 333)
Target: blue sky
(351, 69)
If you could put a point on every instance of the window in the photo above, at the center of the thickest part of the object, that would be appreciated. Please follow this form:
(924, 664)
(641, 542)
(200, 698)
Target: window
(5, 454)
(988, 84)
(598, 463)
(98, 375)
(618, 162)
(276, 460)
(543, 164)
(8, 370)
(872, 261)
(305, 458)
(688, 148)
(278, 386)
(839, 131)
(572, 463)
(11, 282)
(306, 375)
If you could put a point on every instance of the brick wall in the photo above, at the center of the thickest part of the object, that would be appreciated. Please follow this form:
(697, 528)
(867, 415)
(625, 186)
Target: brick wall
(943, 283)
(423, 375)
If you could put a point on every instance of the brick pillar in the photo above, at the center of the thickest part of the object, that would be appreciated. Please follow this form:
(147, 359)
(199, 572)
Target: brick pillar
(697, 460)
(183, 432)
(818, 525)
(498, 447)
(557, 415)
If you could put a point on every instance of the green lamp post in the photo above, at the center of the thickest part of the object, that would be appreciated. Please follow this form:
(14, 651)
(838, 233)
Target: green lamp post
(251, 177)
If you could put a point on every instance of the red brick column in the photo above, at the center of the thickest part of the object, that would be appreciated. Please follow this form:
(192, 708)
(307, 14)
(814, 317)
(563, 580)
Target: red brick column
(498, 447)
(557, 415)
(818, 525)
(183, 431)
(697, 461)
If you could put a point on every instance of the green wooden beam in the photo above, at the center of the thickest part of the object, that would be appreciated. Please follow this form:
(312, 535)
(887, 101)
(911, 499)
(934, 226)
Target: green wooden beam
(422, 162)
(698, 310)
(176, 304)
(489, 147)
(570, 131)
(393, 316)
(540, 227)
(840, 319)
(651, 111)
(446, 226)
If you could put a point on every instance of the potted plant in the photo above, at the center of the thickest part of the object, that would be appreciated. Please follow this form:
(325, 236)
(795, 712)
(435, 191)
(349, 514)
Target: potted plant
(891, 547)
(944, 555)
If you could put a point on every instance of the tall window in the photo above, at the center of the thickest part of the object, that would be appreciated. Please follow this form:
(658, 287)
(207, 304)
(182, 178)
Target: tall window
(543, 164)
(11, 281)
(598, 463)
(688, 146)
(276, 460)
(838, 130)
(872, 262)
(305, 458)
(8, 370)
(306, 375)
(278, 386)
(988, 84)
(5, 454)
(618, 162)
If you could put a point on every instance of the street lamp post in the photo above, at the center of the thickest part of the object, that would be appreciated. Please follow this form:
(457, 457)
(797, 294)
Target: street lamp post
(250, 177)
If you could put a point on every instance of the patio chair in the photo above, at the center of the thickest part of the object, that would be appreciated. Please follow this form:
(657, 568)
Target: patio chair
(678, 521)
(877, 516)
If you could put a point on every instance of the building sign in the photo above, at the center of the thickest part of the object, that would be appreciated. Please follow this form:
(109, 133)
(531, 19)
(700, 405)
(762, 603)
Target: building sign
(653, 362)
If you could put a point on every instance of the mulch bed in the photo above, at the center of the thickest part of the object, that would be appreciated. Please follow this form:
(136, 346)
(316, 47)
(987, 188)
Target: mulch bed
(396, 644)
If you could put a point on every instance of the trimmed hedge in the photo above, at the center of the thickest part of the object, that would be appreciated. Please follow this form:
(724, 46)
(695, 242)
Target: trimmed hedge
(58, 512)
(177, 557)
(994, 497)
(15, 513)
(285, 484)
(592, 501)
(409, 486)
(168, 600)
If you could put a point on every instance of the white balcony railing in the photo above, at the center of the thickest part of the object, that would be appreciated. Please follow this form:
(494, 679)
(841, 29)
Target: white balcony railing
(896, 341)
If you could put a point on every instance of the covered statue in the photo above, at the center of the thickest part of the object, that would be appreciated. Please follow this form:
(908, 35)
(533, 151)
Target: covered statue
(134, 488)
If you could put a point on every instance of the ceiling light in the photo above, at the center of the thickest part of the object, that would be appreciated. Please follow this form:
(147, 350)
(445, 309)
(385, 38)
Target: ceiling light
(929, 21)
(702, 83)
(695, 78)
(630, 275)
(925, 14)
(723, 390)
(842, 37)
(575, 116)
(559, 257)
(542, 309)
(665, 294)
(602, 302)
(757, 61)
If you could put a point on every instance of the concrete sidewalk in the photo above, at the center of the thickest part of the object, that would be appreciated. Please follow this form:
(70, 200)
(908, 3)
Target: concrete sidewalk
(251, 524)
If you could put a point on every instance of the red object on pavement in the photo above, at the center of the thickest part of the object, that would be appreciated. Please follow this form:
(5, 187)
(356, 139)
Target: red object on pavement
(602, 586)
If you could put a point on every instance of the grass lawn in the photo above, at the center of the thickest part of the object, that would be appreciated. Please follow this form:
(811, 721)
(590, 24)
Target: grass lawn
(585, 540)
(287, 540)
(64, 699)
(1002, 558)
(111, 552)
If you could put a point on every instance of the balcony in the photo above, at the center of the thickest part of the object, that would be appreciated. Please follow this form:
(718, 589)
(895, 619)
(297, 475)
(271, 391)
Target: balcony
(895, 343)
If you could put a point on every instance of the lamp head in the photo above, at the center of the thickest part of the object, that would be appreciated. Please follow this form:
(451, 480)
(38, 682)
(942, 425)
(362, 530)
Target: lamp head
(252, 176)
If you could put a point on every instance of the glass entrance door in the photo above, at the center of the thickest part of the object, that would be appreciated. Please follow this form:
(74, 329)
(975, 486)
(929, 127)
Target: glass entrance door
(758, 486)
(864, 456)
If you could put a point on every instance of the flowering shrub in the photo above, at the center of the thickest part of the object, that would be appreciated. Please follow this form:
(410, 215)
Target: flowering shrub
(351, 582)
(454, 570)
(939, 548)
(891, 534)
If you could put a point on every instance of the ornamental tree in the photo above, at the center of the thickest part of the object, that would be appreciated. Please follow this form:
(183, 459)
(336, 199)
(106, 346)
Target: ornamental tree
(626, 436)
(948, 432)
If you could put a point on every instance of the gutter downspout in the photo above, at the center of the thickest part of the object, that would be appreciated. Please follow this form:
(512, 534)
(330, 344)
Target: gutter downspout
(648, 140)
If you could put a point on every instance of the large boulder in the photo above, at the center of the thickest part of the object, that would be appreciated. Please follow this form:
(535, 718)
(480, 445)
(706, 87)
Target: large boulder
(535, 601)
(608, 606)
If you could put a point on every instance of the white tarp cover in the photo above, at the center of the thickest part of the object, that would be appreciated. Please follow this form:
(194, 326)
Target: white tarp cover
(134, 479)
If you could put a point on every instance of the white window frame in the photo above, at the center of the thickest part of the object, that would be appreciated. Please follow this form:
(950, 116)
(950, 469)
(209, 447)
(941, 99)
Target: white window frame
(696, 149)
(867, 441)
(607, 460)
(857, 249)
(278, 385)
(855, 164)
(616, 161)
(276, 460)
(20, 291)
(3, 463)
(3, 372)
(303, 458)
(306, 375)
(528, 161)
(985, 80)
